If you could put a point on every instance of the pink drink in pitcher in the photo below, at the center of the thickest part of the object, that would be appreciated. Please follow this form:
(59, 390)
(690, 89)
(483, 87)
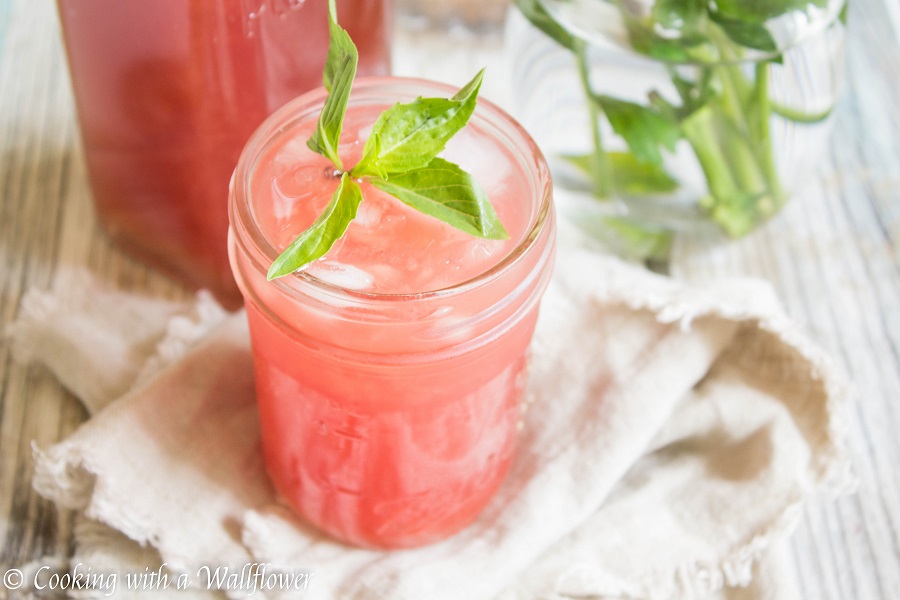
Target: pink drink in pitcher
(390, 372)
(168, 91)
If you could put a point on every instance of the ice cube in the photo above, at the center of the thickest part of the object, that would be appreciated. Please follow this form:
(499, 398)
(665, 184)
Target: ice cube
(398, 277)
(282, 207)
(489, 168)
(482, 249)
(292, 152)
(369, 214)
(301, 180)
(291, 186)
(341, 275)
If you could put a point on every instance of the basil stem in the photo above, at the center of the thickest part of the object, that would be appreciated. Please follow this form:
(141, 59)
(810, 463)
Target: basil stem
(601, 172)
(725, 112)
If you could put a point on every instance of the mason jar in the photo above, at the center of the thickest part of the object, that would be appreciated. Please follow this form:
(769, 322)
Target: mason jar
(168, 91)
(389, 410)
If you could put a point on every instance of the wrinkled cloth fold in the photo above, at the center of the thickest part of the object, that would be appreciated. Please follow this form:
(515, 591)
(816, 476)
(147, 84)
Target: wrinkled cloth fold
(672, 436)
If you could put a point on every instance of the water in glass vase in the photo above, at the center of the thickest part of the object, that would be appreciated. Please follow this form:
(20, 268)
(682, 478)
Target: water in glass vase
(678, 114)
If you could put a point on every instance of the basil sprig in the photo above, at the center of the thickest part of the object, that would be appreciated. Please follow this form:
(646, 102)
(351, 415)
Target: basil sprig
(721, 111)
(400, 158)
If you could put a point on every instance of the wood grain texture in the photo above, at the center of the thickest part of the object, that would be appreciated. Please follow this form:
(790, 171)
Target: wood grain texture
(46, 222)
(832, 256)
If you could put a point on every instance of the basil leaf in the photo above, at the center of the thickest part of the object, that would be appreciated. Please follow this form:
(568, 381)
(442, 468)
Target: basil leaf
(339, 47)
(643, 129)
(751, 35)
(408, 136)
(631, 176)
(445, 191)
(689, 47)
(636, 239)
(340, 69)
(679, 15)
(368, 164)
(760, 11)
(328, 228)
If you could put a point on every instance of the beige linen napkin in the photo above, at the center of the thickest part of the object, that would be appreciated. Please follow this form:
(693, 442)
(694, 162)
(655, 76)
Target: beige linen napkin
(671, 438)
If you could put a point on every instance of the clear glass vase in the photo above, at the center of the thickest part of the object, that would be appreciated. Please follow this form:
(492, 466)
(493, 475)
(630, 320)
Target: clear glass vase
(657, 119)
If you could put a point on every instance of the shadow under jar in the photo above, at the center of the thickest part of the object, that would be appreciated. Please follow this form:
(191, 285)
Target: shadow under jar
(390, 373)
(168, 91)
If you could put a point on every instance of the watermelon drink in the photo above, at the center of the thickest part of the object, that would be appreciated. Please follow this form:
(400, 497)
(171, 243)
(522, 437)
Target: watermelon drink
(168, 91)
(390, 372)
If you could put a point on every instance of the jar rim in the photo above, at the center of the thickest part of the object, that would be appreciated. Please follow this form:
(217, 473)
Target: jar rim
(261, 252)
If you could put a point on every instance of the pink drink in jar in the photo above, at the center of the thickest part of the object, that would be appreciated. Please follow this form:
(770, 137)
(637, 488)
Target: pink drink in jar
(168, 91)
(390, 372)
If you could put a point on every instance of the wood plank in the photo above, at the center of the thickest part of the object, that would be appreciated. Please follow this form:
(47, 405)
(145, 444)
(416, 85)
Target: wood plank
(833, 258)
(46, 222)
(31, 201)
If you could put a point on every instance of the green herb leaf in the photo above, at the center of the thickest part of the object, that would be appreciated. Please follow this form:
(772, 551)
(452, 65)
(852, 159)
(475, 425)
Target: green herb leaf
(638, 240)
(535, 12)
(409, 136)
(679, 15)
(368, 165)
(445, 191)
(631, 176)
(328, 228)
(340, 46)
(751, 35)
(690, 46)
(644, 129)
(760, 11)
(797, 116)
(340, 69)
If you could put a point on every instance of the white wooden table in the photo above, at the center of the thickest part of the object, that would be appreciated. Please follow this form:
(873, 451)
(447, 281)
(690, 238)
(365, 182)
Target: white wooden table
(833, 256)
